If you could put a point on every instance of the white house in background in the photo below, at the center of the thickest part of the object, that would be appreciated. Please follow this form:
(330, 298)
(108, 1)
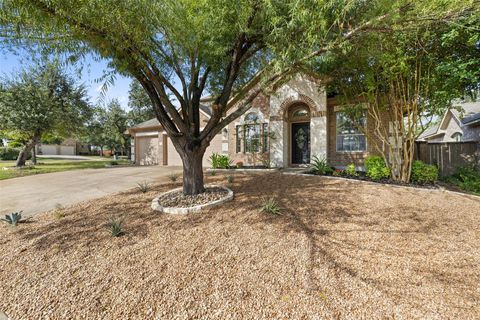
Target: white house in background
(68, 147)
(461, 123)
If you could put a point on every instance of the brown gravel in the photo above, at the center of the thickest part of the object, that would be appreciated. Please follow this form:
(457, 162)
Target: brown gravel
(341, 249)
(178, 199)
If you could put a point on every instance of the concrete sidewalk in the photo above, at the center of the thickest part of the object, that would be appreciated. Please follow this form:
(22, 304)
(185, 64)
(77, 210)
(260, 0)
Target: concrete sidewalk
(40, 193)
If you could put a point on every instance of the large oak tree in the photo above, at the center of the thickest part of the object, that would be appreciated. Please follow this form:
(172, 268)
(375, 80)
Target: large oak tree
(179, 50)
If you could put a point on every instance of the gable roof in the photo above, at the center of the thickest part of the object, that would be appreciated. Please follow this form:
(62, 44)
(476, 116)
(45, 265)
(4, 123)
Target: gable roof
(152, 123)
(465, 113)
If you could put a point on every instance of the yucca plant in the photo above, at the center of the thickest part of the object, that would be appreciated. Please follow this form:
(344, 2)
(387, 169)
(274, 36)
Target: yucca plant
(13, 218)
(270, 205)
(115, 227)
(143, 187)
(320, 166)
(173, 177)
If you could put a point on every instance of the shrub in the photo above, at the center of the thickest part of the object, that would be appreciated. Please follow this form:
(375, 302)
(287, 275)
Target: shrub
(351, 170)
(423, 173)
(143, 187)
(15, 144)
(115, 227)
(7, 153)
(270, 205)
(230, 178)
(376, 168)
(173, 177)
(320, 166)
(220, 161)
(13, 218)
(113, 163)
(213, 173)
(467, 178)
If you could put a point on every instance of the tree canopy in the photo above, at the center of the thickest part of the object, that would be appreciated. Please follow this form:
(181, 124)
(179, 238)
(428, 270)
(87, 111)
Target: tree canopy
(230, 49)
(41, 101)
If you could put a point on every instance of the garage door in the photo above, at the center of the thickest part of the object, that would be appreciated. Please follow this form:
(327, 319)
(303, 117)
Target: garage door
(47, 149)
(67, 150)
(148, 150)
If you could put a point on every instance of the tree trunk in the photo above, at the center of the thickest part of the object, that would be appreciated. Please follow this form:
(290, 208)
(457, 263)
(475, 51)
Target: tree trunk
(34, 155)
(193, 170)
(22, 157)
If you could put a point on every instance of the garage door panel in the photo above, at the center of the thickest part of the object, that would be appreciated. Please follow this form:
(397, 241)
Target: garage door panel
(148, 149)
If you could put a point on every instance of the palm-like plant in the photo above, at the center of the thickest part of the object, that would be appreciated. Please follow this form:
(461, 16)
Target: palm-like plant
(13, 218)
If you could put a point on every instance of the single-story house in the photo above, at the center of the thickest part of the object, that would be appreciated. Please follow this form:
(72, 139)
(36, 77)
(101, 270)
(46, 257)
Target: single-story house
(460, 123)
(289, 127)
(68, 147)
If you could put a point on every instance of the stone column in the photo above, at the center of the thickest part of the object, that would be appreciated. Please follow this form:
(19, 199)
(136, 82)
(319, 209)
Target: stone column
(318, 134)
(277, 145)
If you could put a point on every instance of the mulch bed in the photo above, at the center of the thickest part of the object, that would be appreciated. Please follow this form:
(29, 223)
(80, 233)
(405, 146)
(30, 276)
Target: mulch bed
(339, 250)
(178, 199)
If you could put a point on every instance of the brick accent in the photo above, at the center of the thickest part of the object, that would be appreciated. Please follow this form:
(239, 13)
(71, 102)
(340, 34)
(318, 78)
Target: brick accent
(345, 158)
(301, 98)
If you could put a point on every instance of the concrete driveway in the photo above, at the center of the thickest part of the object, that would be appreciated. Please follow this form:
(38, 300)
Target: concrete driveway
(40, 193)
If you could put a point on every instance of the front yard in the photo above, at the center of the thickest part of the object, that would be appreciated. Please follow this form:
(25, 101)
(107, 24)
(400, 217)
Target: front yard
(339, 249)
(46, 165)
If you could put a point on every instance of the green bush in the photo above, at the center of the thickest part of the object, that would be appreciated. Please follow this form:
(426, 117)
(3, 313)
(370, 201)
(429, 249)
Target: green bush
(7, 153)
(15, 144)
(220, 161)
(351, 170)
(467, 178)
(376, 169)
(320, 166)
(423, 173)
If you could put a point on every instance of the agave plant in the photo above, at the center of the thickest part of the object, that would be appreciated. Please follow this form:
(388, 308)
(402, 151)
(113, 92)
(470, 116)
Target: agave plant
(115, 226)
(173, 177)
(13, 218)
(270, 205)
(143, 186)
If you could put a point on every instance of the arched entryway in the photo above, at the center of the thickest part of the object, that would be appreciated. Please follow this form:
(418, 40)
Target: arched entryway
(298, 119)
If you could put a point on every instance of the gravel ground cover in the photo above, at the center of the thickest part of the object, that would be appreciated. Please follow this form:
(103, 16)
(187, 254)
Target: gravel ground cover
(340, 250)
(178, 199)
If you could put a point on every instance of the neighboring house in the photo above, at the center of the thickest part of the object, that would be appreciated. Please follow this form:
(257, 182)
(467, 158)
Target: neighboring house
(288, 127)
(461, 123)
(67, 148)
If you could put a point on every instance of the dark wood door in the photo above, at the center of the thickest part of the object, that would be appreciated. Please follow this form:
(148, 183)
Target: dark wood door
(300, 143)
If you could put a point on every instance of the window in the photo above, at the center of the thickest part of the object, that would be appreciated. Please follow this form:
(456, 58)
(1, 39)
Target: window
(457, 136)
(349, 137)
(252, 136)
(251, 117)
(300, 113)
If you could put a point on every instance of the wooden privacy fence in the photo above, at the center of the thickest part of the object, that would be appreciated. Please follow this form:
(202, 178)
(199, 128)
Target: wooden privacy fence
(448, 156)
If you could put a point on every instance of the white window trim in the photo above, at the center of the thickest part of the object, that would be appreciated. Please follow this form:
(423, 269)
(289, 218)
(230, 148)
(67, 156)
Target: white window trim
(351, 134)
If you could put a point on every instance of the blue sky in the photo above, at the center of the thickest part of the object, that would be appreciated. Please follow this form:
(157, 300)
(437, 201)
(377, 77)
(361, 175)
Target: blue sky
(92, 72)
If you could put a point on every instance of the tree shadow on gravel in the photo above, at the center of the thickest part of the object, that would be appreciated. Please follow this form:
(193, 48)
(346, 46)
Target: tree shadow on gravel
(316, 208)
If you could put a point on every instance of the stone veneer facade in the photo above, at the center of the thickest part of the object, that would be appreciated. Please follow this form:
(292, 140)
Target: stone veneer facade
(308, 91)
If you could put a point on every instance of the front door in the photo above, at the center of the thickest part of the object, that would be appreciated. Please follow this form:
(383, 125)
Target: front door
(301, 143)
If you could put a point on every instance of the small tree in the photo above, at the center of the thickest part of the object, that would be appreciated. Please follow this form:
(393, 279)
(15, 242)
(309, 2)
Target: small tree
(115, 126)
(141, 108)
(38, 101)
(403, 80)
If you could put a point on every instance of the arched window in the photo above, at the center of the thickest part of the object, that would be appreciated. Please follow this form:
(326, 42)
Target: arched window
(300, 113)
(457, 136)
(251, 137)
(251, 117)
